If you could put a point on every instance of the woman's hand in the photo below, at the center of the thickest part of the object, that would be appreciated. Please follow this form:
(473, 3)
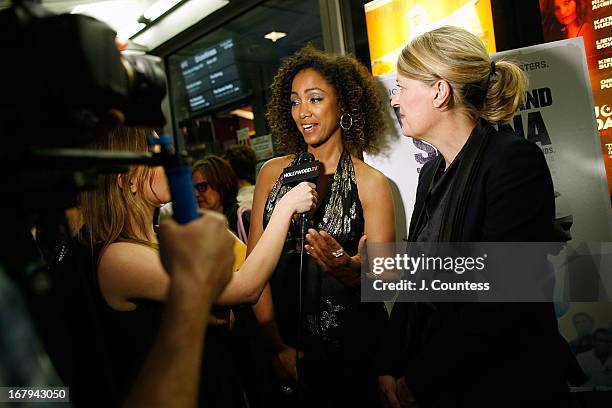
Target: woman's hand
(404, 395)
(284, 365)
(395, 393)
(328, 253)
(301, 198)
(222, 318)
(387, 388)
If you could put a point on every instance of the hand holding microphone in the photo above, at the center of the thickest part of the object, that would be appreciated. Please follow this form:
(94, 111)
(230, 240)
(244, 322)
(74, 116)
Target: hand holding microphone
(306, 168)
(301, 198)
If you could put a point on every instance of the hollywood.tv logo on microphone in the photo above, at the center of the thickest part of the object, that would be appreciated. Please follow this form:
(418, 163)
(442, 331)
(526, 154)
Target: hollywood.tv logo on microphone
(306, 169)
(300, 172)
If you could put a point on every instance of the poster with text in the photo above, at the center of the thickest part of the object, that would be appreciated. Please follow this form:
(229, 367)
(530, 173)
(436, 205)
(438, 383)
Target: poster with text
(590, 20)
(558, 117)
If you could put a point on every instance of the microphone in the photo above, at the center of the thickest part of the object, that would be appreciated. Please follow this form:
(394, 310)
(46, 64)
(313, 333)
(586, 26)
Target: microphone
(306, 169)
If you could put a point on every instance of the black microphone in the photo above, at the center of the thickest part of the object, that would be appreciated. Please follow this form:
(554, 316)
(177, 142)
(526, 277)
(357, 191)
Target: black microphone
(306, 169)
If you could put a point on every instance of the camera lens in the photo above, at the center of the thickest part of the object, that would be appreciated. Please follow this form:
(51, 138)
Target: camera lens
(147, 89)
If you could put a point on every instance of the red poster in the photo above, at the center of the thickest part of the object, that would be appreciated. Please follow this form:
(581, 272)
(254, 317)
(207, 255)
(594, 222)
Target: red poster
(591, 20)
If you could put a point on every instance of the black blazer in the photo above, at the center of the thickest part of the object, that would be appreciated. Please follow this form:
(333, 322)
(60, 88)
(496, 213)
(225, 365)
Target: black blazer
(479, 354)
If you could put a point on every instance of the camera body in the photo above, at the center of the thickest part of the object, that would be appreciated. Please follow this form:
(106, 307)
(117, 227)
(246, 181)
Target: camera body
(62, 76)
(64, 83)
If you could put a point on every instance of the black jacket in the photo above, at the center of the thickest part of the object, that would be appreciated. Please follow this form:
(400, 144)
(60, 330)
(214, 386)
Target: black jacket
(479, 354)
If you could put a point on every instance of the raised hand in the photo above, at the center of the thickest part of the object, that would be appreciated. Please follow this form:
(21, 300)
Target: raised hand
(284, 365)
(387, 389)
(332, 258)
(301, 198)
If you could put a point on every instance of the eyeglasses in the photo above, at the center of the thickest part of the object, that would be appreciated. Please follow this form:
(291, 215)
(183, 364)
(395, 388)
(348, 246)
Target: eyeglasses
(201, 187)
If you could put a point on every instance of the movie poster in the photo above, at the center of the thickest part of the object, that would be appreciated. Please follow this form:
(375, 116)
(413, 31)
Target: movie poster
(557, 116)
(590, 20)
(392, 23)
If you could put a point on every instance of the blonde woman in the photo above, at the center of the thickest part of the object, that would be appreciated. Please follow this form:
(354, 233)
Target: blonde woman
(131, 280)
(486, 185)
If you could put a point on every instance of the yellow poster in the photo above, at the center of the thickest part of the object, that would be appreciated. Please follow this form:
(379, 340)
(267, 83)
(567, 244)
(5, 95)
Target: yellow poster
(391, 24)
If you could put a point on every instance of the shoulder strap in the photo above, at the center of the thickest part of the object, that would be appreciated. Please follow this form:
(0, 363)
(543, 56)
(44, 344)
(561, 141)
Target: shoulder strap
(242, 232)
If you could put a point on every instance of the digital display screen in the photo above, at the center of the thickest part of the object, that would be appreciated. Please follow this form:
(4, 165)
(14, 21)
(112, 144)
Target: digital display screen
(211, 77)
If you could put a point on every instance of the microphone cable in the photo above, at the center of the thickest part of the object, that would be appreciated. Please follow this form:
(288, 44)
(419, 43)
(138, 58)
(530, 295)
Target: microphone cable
(303, 224)
(305, 168)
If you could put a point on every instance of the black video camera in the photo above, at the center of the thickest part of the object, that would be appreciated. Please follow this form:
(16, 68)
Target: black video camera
(63, 80)
(62, 75)
(63, 83)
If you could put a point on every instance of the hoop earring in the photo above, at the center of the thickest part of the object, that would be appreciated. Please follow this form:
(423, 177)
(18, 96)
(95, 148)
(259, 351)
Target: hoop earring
(342, 124)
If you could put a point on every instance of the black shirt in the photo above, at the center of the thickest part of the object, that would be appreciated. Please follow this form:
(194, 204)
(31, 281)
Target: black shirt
(437, 199)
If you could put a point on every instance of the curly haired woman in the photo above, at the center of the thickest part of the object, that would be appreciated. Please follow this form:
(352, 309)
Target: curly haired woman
(329, 106)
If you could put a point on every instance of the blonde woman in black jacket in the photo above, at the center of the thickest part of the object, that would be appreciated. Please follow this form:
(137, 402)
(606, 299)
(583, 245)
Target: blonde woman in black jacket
(487, 185)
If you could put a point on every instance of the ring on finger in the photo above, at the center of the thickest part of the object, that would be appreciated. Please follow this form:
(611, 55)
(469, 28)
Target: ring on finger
(338, 253)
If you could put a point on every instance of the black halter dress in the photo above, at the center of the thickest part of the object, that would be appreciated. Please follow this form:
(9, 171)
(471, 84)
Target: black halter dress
(339, 333)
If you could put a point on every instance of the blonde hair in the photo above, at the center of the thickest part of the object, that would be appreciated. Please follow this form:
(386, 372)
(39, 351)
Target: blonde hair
(112, 212)
(460, 58)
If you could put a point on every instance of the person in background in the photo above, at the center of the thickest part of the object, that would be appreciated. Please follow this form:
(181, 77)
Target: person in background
(597, 362)
(584, 325)
(216, 187)
(242, 159)
(330, 106)
(445, 354)
(563, 19)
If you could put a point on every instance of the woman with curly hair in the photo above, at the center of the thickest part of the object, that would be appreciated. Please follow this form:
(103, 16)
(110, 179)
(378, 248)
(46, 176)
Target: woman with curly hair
(329, 106)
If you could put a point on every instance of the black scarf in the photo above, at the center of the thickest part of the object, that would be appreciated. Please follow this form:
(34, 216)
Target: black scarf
(421, 318)
(451, 227)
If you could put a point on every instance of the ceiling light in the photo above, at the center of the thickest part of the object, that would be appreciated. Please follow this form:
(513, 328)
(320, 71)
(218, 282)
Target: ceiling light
(120, 15)
(159, 8)
(243, 114)
(274, 36)
(182, 17)
(126, 32)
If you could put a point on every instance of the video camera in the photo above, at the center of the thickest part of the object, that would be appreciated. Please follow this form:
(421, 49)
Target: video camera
(64, 83)
(63, 76)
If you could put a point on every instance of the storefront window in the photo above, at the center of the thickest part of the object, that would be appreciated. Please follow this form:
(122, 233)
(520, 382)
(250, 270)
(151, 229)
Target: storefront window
(220, 83)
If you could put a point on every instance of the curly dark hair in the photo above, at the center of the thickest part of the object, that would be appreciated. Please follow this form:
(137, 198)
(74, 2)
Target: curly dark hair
(356, 91)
